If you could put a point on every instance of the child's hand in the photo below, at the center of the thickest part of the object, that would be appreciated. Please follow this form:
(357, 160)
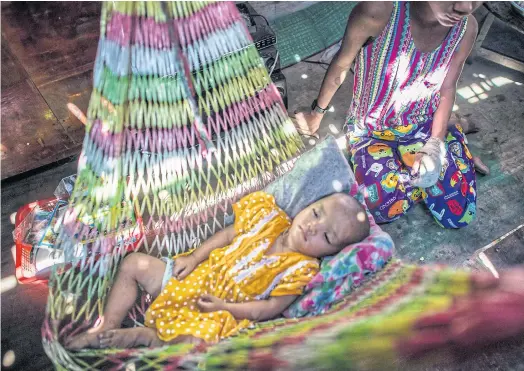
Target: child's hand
(428, 163)
(183, 266)
(307, 122)
(209, 303)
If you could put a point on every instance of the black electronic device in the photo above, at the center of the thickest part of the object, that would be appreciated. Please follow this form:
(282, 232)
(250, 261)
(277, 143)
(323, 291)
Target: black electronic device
(279, 80)
(271, 58)
(265, 41)
(258, 26)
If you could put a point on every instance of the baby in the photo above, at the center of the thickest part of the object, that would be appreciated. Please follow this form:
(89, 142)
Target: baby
(250, 271)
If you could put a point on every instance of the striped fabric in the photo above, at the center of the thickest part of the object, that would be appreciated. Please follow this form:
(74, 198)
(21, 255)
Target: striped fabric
(182, 111)
(395, 83)
(364, 332)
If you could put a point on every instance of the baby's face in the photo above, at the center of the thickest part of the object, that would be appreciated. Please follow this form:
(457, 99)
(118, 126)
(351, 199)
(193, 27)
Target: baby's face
(322, 228)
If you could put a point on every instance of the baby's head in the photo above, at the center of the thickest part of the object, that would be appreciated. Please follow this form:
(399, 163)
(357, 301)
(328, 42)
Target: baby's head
(328, 225)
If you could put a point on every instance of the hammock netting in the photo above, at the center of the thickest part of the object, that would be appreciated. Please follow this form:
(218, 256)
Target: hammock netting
(182, 122)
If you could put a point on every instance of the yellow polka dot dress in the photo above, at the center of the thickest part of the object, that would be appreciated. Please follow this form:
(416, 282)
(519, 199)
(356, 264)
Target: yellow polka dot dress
(236, 273)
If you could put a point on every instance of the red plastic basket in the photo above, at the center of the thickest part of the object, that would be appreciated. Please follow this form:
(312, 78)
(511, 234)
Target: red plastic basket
(26, 272)
(27, 269)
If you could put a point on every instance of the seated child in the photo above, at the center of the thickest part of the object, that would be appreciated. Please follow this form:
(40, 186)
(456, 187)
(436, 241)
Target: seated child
(251, 271)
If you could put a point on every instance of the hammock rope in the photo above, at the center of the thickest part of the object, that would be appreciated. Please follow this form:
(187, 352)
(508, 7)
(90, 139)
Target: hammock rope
(183, 121)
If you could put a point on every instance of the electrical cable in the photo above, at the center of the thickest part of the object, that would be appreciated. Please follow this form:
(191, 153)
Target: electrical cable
(316, 62)
(274, 63)
(322, 64)
(261, 16)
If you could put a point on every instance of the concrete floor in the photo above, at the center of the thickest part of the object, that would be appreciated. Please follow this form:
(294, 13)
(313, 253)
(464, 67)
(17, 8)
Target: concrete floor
(274, 9)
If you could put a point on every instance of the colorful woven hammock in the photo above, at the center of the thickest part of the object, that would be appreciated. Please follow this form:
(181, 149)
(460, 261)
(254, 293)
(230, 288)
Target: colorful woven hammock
(182, 122)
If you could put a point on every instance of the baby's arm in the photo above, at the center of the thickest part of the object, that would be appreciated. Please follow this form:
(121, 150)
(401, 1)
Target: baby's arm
(217, 241)
(186, 264)
(260, 310)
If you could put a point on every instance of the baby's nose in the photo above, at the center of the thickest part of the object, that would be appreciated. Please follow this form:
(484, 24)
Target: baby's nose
(312, 228)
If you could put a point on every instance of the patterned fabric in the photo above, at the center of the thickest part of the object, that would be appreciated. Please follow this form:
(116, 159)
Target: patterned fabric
(340, 274)
(383, 169)
(364, 331)
(237, 273)
(396, 93)
(396, 87)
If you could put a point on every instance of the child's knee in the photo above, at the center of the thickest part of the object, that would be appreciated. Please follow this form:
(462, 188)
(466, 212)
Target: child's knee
(133, 262)
(389, 210)
(460, 216)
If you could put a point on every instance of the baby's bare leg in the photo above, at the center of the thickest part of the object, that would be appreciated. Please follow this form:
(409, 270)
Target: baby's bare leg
(139, 336)
(130, 338)
(136, 269)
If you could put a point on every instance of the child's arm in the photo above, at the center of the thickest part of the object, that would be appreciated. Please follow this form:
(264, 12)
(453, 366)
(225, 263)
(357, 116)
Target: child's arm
(366, 20)
(448, 89)
(217, 241)
(186, 264)
(260, 310)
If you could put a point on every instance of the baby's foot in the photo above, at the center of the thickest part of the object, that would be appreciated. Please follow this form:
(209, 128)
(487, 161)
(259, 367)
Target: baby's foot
(130, 338)
(84, 340)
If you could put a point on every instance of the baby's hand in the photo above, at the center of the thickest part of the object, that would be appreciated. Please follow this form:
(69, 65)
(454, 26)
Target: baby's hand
(209, 303)
(183, 266)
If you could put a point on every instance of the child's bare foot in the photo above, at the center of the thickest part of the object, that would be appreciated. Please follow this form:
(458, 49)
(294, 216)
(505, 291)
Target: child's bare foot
(480, 167)
(84, 340)
(130, 338)
(90, 338)
(468, 126)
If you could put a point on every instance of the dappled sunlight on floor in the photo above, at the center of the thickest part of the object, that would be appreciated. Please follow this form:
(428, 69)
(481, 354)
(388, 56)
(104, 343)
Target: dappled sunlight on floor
(475, 92)
(9, 359)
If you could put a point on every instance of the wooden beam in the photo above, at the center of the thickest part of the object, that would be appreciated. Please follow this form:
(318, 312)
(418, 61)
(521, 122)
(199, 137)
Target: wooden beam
(500, 59)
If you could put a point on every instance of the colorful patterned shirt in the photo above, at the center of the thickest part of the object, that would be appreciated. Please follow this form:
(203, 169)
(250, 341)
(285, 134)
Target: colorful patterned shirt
(396, 86)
